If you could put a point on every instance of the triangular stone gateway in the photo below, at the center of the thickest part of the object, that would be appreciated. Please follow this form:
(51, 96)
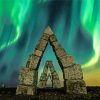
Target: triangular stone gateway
(72, 73)
(52, 75)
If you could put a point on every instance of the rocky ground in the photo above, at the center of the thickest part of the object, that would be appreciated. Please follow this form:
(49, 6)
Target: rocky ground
(50, 94)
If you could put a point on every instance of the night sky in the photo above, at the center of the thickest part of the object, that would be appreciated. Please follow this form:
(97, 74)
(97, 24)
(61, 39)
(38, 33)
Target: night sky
(76, 24)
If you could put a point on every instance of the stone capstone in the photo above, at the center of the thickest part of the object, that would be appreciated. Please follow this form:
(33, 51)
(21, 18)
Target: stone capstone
(37, 53)
(48, 31)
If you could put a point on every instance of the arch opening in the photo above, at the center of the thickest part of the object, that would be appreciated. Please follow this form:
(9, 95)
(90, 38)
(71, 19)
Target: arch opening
(49, 55)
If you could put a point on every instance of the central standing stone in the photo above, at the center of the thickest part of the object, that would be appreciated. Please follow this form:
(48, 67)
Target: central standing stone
(53, 76)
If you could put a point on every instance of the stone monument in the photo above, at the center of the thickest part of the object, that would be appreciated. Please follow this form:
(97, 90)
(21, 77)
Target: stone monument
(72, 72)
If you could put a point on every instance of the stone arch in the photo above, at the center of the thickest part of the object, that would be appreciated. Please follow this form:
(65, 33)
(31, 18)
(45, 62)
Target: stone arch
(72, 72)
(53, 76)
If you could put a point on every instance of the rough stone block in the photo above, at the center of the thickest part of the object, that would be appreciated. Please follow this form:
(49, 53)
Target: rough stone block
(60, 53)
(43, 76)
(25, 90)
(26, 76)
(77, 67)
(32, 62)
(52, 71)
(35, 58)
(78, 71)
(53, 38)
(56, 84)
(73, 72)
(67, 61)
(42, 84)
(45, 37)
(42, 45)
(37, 53)
(76, 87)
(31, 90)
(21, 89)
(33, 66)
(56, 45)
(55, 77)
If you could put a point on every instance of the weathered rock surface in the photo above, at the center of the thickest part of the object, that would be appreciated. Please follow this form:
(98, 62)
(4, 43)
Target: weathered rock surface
(73, 72)
(76, 86)
(53, 38)
(26, 76)
(25, 90)
(48, 31)
(32, 62)
(67, 61)
(41, 45)
(60, 53)
(45, 37)
(56, 45)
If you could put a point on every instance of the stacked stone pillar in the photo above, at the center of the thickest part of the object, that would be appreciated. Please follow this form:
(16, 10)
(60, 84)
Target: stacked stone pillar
(72, 73)
(53, 76)
(44, 76)
(28, 76)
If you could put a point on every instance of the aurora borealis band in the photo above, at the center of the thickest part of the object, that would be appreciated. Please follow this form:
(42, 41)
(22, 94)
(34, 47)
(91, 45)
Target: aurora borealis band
(76, 24)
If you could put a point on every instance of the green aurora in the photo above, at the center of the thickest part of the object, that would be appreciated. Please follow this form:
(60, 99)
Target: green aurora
(75, 23)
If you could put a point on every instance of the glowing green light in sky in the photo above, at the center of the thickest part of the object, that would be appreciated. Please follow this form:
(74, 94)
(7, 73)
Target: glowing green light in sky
(91, 23)
(16, 10)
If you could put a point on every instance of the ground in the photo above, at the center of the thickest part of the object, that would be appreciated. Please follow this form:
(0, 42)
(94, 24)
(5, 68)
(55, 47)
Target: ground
(50, 94)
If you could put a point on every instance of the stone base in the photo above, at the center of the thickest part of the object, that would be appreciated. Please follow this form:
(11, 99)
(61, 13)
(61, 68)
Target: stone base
(75, 86)
(25, 90)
